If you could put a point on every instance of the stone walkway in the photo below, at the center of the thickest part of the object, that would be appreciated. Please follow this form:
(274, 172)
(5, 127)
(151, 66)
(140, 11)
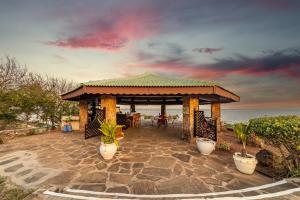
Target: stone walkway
(150, 161)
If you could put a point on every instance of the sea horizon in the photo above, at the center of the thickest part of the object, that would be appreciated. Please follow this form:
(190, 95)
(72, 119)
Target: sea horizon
(227, 115)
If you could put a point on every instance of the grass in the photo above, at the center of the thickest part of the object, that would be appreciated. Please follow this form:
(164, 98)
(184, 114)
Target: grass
(11, 192)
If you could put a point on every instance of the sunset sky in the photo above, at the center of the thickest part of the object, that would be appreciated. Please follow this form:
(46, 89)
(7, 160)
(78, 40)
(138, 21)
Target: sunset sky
(250, 47)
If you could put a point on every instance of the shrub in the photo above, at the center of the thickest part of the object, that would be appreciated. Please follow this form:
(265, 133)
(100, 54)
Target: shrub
(282, 132)
(225, 146)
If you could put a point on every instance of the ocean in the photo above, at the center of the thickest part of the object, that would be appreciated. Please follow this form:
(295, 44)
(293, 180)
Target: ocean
(227, 115)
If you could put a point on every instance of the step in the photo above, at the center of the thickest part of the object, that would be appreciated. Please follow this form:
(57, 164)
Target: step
(283, 188)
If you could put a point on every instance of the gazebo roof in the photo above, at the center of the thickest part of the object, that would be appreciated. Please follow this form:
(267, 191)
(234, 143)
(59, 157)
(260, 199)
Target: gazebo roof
(150, 88)
(149, 80)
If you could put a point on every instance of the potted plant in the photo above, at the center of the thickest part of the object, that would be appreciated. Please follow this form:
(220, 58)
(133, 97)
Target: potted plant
(205, 145)
(109, 142)
(68, 126)
(243, 161)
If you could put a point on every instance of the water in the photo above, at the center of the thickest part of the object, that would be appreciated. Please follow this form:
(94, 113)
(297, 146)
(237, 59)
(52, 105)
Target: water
(227, 115)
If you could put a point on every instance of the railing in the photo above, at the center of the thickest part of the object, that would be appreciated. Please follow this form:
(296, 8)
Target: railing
(204, 127)
(92, 129)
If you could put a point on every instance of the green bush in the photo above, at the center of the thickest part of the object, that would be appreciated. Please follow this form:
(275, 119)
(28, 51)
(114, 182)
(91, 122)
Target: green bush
(282, 132)
(225, 146)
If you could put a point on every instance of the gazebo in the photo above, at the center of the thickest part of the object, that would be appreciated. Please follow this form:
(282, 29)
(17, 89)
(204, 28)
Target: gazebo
(152, 89)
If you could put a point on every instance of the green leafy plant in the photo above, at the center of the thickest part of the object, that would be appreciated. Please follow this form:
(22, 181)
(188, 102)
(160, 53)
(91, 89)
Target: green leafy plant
(242, 132)
(282, 132)
(224, 146)
(68, 119)
(109, 132)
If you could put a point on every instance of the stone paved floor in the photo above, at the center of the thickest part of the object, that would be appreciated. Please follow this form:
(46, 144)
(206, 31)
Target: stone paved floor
(150, 161)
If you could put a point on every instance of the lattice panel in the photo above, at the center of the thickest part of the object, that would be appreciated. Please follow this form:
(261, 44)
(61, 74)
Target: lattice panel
(204, 128)
(92, 129)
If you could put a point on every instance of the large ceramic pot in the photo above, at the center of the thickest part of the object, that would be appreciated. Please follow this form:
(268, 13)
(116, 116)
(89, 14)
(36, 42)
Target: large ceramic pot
(108, 151)
(205, 146)
(245, 165)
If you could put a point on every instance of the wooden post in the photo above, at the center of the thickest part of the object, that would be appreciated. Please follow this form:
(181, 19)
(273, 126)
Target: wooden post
(190, 104)
(216, 115)
(83, 114)
(109, 103)
(163, 109)
(132, 107)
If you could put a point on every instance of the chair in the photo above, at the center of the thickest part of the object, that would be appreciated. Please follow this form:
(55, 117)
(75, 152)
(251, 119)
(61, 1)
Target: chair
(136, 119)
(162, 120)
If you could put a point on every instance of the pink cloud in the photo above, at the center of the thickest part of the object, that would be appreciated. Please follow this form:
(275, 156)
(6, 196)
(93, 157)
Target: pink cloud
(284, 63)
(113, 31)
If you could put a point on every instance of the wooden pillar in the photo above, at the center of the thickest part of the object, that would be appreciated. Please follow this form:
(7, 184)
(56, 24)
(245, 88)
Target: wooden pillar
(216, 115)
(163, 109)
(83, 114)
(132, 107)
(190, 104)
(109, 103)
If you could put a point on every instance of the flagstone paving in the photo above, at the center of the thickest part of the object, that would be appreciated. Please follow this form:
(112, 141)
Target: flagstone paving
(150, 161)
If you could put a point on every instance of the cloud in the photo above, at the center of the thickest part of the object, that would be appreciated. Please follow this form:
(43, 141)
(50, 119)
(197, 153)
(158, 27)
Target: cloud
(284, 63)
(207, 50)
(114, 30)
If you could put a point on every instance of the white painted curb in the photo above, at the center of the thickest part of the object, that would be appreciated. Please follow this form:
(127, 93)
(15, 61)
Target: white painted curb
(257, 197)
(178, 195)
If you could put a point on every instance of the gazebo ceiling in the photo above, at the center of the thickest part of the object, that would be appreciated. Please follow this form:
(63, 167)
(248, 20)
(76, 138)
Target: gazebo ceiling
(152, 89)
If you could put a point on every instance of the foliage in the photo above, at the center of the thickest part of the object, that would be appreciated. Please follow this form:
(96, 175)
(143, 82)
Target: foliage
(8, 192)
(109, 132)
(282, 132)
(29, 96)
(224, 146)
(295, 172)
(241, 131)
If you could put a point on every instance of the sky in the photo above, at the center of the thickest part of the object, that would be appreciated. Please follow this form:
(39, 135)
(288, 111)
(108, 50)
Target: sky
(251, 48)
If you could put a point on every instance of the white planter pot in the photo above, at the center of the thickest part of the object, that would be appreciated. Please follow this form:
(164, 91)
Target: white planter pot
(205, 146)
(245, 165)
(108, 151)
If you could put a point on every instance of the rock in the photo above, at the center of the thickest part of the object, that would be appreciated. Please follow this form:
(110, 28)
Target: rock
(94, 187)
(265, 158)
(180, 184)
(157, 171)
(101, 165)
(204, 171)
(162, 162)
(182, 157)
(270, 164)
(120, 178)
(63, 178)
(135, 157)
(94, 177)
(177, 169)
(225, 177)
(212, 181)
(148, 177)
(120, 189)
(114, 167)
(126, 165)
(138, 165)
(143, 187)
(73, 162)
(125, 171)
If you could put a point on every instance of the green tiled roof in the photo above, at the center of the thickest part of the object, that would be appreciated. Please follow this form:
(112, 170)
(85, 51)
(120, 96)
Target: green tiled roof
(149, 80)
